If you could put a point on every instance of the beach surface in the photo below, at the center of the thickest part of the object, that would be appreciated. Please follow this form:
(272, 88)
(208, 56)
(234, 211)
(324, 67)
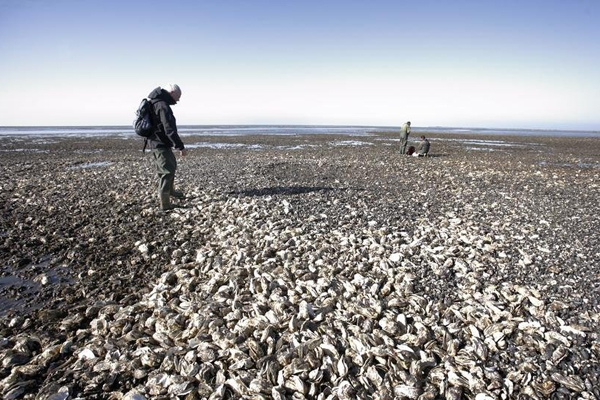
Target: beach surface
(301, 266)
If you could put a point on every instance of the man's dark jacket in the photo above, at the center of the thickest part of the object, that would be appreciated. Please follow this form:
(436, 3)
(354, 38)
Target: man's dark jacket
(165, 134)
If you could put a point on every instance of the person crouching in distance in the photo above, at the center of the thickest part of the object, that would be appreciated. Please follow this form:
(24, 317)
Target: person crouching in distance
(423, 149)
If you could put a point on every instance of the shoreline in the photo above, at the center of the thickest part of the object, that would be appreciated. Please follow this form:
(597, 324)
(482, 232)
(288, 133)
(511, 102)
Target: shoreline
(315, 221)
(284, 130)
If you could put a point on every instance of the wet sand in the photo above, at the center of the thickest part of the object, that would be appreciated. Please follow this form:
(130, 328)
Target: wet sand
(75, 212)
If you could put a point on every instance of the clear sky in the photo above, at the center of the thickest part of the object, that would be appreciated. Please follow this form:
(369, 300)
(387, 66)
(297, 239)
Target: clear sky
(470, 63)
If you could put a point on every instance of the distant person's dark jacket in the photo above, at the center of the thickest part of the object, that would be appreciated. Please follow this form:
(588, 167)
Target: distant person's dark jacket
(166, 127)
(424, 147)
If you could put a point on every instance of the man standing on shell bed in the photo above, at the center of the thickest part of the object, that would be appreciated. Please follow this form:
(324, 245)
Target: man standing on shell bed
(163, 140)
(404, 132)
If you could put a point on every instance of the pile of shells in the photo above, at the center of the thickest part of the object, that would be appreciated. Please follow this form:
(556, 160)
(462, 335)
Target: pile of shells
(272, 305)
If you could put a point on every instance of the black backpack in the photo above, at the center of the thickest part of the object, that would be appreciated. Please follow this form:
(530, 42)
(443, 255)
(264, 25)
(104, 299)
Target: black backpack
(143, 123)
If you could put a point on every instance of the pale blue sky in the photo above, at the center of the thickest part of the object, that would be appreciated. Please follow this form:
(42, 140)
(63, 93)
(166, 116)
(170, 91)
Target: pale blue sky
(504, 64)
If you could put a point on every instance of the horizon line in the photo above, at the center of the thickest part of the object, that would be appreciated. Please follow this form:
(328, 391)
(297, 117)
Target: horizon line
(317, 125)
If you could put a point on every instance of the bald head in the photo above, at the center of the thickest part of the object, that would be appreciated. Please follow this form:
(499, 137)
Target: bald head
(174, 90)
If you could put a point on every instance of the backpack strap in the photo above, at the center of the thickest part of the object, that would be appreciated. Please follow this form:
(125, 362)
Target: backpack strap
(152, 119)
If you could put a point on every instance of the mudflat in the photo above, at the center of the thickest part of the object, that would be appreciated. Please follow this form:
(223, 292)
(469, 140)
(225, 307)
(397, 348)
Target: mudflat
(304, 266)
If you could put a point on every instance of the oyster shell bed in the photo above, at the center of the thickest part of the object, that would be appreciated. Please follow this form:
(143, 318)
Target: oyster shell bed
(301, 267)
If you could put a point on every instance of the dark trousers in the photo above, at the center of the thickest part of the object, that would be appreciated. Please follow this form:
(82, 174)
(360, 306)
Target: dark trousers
(403, 142)
(166, 165)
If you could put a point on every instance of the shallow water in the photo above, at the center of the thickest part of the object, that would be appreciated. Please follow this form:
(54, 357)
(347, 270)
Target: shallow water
(480, 148)
(483, 142)
(209, 145)
(99, 164)
(351, 143)
(12, 283)
(24, 151)
(15, 290)
(245, 130)
(574, 165)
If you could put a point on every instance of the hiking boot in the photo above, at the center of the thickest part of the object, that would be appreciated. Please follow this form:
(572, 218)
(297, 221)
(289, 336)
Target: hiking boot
(177, 194)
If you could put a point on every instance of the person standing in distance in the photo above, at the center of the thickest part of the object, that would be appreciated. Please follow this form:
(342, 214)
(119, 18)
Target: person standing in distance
(162, 141)
(404, 132)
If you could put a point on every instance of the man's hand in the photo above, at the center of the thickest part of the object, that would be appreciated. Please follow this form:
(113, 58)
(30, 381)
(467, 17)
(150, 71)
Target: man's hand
(183, 152)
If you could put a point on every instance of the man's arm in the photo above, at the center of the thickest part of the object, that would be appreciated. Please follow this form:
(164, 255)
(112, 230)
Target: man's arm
(170, 127)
